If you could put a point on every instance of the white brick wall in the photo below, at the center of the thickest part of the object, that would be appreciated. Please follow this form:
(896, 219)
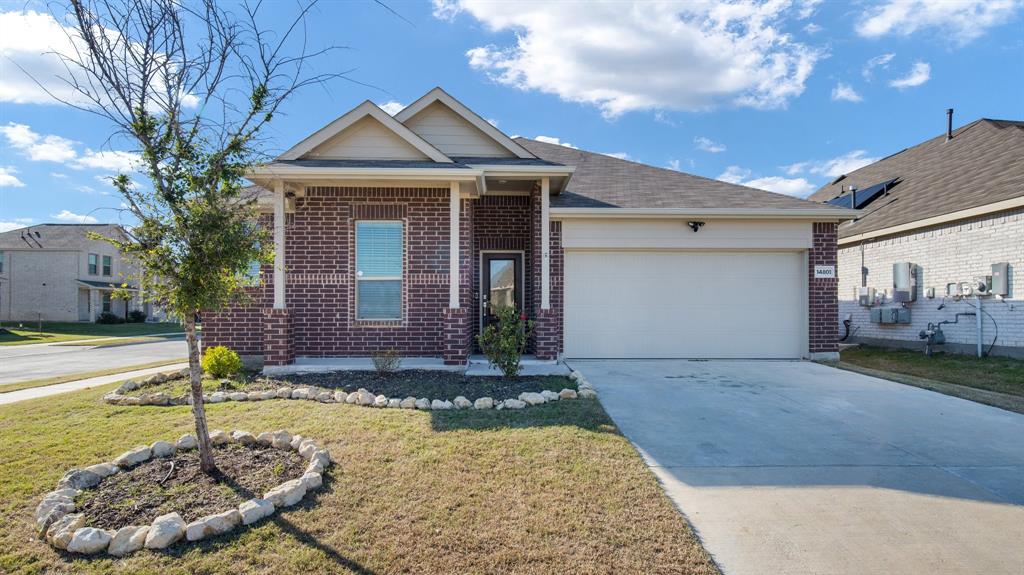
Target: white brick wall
(954, 252)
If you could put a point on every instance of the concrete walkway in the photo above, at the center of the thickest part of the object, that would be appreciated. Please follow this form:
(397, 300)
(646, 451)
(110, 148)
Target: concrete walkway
(48, 390)
(794, 467)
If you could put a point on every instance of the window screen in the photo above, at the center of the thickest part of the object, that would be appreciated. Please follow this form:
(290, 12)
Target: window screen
(379, 264)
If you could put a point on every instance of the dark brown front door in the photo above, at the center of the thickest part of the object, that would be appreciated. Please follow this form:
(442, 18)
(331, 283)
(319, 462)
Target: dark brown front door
(501, 284)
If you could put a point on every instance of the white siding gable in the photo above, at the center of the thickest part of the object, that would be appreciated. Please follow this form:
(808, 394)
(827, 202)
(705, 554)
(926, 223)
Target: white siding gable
(453, 135)
(366, 139)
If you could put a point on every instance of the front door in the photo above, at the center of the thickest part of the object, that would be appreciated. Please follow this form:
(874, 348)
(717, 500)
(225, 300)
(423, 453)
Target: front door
(500, 285)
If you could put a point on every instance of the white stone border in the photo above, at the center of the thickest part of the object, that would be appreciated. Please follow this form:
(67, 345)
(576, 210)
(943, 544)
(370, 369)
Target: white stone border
(57, 522)
(361, 397)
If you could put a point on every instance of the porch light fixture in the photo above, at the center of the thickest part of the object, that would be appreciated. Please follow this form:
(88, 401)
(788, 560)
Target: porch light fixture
(695, 225)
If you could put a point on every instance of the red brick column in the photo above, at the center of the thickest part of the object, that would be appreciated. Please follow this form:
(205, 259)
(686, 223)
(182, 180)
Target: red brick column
(277, 337)
(822, 294)
(456, 336)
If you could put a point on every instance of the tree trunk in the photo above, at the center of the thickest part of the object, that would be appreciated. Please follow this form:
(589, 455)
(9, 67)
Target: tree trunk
(195, 370)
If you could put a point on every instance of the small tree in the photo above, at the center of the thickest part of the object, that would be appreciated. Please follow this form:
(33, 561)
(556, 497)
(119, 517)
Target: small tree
(193, 86)
(504, 341)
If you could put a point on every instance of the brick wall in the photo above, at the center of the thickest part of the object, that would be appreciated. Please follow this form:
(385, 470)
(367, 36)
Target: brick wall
(548, 331)
(500, 223)
(953, 252)
(821, 292)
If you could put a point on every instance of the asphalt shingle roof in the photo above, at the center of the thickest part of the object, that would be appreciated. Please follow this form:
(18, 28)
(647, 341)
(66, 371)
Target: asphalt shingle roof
(982, 164)
(55, 236)
(602, 181)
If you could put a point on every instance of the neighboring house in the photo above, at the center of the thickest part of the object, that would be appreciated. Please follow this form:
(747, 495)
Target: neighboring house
(952, 206)
(403, 232)
(56, 272)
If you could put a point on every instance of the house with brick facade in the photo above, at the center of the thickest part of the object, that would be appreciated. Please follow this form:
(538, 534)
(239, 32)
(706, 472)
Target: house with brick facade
(950, 210)
(406, 232)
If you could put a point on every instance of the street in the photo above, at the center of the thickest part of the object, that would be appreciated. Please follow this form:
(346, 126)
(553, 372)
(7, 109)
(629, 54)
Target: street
(25, 363)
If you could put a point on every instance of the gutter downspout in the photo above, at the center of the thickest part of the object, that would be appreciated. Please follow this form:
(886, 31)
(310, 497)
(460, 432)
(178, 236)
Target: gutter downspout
(977, 300)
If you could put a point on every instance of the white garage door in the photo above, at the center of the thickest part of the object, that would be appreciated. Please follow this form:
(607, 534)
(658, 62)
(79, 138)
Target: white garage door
(684, 304)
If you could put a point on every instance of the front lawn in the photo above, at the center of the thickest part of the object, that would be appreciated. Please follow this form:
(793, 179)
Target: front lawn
(1000, 374)
(20, 333)
(550, 489)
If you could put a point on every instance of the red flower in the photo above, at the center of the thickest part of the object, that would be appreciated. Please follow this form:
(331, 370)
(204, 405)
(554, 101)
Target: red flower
(522, 317)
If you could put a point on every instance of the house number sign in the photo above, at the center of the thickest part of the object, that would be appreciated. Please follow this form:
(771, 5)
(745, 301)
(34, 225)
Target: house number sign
(828, 272)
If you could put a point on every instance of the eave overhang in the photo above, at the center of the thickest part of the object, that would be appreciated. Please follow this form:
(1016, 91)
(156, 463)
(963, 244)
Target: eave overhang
(815, 214)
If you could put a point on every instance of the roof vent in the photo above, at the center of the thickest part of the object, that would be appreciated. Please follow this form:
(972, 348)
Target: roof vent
(949, 124)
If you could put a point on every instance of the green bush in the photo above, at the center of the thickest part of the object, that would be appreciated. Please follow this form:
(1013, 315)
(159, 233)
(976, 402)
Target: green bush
(109, 318)
(386, 361)
(504, 341)
(136, 316)
(220, 361)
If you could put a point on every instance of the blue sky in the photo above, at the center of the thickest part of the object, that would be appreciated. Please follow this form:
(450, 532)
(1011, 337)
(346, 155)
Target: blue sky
(779, 95)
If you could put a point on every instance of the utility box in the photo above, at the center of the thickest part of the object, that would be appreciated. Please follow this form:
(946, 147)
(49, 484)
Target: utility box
(876, 315)
(1000, 284)
(866, 296)
(890, 315)
(904, 282)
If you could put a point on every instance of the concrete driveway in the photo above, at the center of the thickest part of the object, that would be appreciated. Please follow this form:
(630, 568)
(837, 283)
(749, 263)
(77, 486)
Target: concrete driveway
(794, 467)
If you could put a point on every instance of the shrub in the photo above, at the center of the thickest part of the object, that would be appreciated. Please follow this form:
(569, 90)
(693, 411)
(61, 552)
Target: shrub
(136, 316)
(385, 362)
(220, 361)
(109, 318)
(504, 341)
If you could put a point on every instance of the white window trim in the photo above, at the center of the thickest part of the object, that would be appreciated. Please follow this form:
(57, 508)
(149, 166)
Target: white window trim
(400, 279)
(89, 264)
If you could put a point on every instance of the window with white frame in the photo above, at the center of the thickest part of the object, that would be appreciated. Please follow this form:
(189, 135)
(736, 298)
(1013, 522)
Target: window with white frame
(94, 264)
(379, 266)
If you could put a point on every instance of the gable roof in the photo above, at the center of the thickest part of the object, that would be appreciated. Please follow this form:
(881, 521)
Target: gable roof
(364, 110)
(602, 181)
(55, 236)
(439, 95)
(982, 164)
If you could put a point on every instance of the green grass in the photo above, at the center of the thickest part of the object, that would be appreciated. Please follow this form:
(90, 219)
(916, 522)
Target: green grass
(70, 331)
(550, 489)
(999, 374)
(84, 375)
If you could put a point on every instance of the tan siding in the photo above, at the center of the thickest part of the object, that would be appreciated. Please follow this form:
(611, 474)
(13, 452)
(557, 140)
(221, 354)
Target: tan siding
(366, 139)
(453, 135)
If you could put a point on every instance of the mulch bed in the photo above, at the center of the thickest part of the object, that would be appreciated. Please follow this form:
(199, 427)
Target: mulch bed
(141, 494)
(420, 383)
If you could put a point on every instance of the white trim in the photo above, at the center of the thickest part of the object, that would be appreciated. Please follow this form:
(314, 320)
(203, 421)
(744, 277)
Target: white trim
(454, 204)
(545, 243)
(356, 278)
(361, 111)
(278, 170)
(816, 214)
(526, 172)
(480, 282)
(936, 220)
(279, 239)
(805, 334)
(439, 95)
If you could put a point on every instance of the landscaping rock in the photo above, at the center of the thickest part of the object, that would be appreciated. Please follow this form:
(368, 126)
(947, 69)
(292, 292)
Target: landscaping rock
(130, 385)
(89, 540)
(60, 533)
(218, 396)
(268, 394)
(315, 466)
(364, 397)
(395, 402)
(113, 397)
(255, 509)
(422, 403)
(438, 405)
(340, 396)
(352, 397)
(219, 437)
(187, 441)
(162, 449)
(513, 404)
(550, 395)
(159, 398)
(265, 439)
(307, 448)
(312, 481)
(127, 540)
(380, 401)
(587, 394)
(300, 393)
(104, 470)
(408, 403)
(532, 398)
(238, 396)
(165, 530)
(483, 403)
(294, 443)
(284, 392)
(287, 494)
(281, 439)
(462, 403)
(253, 396)
(321, 456)
(132, 401)
(567, 394)
(213, 525)
(325, 397)
(243, 437)
(575, 375)
(132, 457)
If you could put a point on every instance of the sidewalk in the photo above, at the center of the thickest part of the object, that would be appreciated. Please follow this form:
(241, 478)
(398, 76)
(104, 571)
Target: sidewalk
(37, 392)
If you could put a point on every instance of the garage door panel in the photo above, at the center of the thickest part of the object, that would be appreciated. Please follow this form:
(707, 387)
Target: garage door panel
(683, 304)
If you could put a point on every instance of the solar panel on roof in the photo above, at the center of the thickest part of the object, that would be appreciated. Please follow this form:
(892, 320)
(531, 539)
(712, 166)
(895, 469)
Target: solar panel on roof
(864, 197)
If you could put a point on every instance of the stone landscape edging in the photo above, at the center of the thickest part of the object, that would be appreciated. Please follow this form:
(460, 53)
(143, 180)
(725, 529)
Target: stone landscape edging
(362, 397)
(62, 528)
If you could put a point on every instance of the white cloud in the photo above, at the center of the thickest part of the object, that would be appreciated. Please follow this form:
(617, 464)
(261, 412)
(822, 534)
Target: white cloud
(16, 223)
(8, 179)
(708, 145)
(51, 148)
(492, 122)
(554, 140)
(845, 92)
(834, 167)
(798, 187)
(392, 107)
(644, 55)
(963, 20)
(920, 73)
(812, 28)
(114, 160)
(67, 216)
(806, 8)
(880, 61)
(673, 165)
(59, 175)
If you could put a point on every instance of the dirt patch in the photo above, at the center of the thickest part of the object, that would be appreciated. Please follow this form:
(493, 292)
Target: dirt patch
(139, 495)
